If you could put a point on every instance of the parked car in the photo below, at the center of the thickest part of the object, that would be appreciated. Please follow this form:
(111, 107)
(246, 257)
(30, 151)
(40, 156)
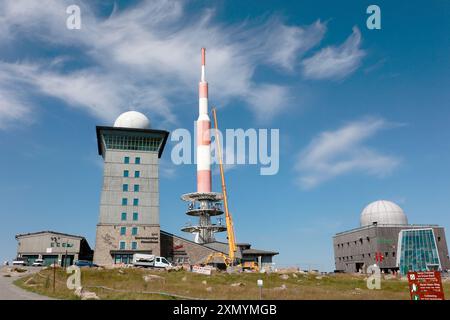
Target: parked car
(85, 263)
(19, 261)
(38, 263)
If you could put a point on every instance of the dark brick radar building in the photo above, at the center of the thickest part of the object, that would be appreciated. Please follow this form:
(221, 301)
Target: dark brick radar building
(385, 232)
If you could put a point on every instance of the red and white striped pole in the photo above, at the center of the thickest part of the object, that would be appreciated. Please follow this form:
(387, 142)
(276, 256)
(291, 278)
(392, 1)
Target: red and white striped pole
(203, 135)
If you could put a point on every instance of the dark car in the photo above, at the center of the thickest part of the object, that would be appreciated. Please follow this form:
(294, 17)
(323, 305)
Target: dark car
(85, 263)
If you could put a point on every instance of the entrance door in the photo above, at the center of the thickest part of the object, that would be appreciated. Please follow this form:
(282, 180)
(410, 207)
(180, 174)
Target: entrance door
(359, 266)
(67, 260)
(50, 259)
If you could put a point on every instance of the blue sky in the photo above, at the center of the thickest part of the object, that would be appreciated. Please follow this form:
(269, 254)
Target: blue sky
(363, 114)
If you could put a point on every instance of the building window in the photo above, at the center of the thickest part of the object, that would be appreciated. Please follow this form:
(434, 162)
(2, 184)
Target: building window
(386, 254)
(126, 160)
(393, 254)
(125, 187)
(124, 201)
(135, 202)
(122, 245)
(123, 231)
(137, 174)
(439, 239)
(136, 188)
(137, 160)
(134, 245)
(125, 173)
(135, 216)
(124, 216)
(134, 231)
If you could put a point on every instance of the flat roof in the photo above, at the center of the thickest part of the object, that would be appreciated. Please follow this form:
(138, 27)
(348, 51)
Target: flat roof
(259, 252)
(164, 133)
(404, 226)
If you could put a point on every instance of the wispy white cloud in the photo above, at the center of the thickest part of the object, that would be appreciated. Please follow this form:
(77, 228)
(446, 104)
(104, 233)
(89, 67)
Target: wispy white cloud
(150, 63)
(334, 153)
(335, 62)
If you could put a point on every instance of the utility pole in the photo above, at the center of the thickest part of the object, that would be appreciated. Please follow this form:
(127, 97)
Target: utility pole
(54, 275)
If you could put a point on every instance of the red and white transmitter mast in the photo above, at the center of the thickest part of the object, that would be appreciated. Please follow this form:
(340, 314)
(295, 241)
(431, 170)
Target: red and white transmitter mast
(204, 203)
(203, 135)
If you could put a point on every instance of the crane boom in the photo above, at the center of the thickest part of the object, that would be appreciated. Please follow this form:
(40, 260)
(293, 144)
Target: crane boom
(228, 219)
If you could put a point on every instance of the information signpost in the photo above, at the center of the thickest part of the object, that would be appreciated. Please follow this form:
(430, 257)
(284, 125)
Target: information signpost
(426, 285)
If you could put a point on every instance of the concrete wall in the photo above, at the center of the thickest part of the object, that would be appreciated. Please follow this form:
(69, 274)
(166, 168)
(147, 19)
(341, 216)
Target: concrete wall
(111, 208)
(108, 239)
(38, 243)
(113, 180)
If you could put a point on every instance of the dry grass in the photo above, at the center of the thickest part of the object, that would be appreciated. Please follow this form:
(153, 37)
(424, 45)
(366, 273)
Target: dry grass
(218, 286)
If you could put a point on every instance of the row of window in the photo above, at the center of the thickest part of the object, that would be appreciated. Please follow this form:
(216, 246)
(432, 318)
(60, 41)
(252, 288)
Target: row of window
(131, 143)
(123, 245)
(126, 189)
(123, 231)
(124, 216)
(386, 254)
(126, 173)
(360, 241)
(125, 201)
(137, 160)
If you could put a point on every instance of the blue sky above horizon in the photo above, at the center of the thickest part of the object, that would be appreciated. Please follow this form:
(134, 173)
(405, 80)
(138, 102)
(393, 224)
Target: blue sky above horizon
(363, 114)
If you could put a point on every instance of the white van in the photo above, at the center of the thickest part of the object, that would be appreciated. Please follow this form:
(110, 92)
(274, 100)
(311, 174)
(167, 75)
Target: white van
(150, 261)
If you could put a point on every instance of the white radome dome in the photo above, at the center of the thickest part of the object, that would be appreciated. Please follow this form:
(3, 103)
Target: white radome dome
(383, 212)
(132, 119)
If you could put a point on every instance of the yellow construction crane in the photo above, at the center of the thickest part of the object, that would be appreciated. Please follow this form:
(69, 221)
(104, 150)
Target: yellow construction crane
(228, 219)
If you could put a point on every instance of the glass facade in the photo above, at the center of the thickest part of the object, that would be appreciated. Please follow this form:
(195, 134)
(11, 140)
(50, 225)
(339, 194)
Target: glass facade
(123, 258)
(417, 251)
(126, 142)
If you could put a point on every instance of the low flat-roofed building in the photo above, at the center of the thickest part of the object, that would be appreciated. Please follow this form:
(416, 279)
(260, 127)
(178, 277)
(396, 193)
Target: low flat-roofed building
(52, 246)
(180, 250)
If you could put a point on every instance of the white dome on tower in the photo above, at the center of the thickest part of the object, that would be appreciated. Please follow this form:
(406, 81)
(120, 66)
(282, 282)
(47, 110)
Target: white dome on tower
(383, 212)
(132, 119)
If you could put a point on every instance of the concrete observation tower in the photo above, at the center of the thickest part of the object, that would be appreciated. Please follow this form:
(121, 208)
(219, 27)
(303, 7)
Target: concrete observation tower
(204, 203)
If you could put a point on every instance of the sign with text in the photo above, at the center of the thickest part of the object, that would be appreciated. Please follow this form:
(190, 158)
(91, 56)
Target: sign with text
(202, 270)
(425, 285)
